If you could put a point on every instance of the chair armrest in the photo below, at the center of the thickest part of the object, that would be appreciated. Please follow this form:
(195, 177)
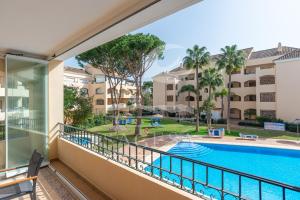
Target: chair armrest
(17, 181)
(10, 169)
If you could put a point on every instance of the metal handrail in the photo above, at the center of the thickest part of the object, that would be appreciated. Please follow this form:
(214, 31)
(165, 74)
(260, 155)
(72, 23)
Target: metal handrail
(182, 159)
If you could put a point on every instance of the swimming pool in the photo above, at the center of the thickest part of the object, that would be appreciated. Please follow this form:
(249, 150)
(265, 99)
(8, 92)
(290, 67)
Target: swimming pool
(280, 165)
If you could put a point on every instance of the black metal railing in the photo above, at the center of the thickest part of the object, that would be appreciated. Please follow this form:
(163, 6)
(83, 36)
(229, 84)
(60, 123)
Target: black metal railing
(199, 178)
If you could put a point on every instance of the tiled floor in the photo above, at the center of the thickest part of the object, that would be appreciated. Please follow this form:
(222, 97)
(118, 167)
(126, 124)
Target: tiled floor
(89, 191)
(50, 187)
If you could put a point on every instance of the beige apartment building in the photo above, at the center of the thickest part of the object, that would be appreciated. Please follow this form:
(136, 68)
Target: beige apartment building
(266, 86)
(92, 82)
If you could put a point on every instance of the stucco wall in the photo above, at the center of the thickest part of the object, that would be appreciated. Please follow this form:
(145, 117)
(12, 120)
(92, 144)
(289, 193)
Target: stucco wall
(116, 180)
(287, 90)
(55, 103)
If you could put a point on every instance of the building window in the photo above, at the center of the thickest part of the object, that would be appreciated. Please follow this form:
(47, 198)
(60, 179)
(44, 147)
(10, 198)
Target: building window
(267, 80)
(99, 91)
(206, 90)
(190, 77)
(267, 67)
(176, 86)
(84, 91)
(176, 98)
(236, 72)
(250, 83)
(235, 98)
(235, 84)
(250, 97)
(250, 71)
(250, 114)
(170, 98)
(85, 81)
(268, 113)
(190, 98)
(267, 97)
(99, 102)
(169, 86)
(99, 78)
(235, 113)
(200, 98)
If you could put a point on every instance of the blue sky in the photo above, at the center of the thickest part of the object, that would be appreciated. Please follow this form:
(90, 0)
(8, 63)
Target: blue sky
(215, 23)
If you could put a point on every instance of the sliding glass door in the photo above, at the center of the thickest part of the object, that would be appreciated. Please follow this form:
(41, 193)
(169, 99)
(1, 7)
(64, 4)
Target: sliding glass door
(26, 109)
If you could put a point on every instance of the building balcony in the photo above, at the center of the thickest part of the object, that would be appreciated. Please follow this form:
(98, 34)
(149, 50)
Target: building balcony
(268, 71)
(95, 166)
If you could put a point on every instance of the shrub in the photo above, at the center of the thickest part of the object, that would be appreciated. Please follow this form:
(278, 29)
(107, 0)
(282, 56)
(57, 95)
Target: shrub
(291, 127)
(250, 123)
(221, 121)
(262, 120)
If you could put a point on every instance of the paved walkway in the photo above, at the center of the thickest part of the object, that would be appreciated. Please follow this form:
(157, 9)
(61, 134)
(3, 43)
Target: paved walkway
(166, 142)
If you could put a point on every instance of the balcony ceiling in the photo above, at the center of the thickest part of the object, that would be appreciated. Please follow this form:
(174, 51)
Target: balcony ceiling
(60, 29)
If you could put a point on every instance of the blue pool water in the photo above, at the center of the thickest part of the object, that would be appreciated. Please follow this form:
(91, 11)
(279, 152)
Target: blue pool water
(276, 164)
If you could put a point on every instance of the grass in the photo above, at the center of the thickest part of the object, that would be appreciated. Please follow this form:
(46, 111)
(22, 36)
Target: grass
(172, 127)
(168, 127)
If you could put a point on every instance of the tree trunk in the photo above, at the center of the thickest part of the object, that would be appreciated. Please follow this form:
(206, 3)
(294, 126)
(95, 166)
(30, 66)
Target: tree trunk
(209, 109)
(222, 107)
(228, 103)
(139, 109)
(189, 102)
(197, 100)
(112, 101)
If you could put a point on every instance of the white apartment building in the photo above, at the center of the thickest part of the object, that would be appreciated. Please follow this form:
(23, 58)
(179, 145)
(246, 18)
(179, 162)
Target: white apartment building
(265, 86)
(92, 82)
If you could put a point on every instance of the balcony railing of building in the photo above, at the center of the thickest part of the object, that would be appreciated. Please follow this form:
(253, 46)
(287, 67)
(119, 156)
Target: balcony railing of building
(196, 177)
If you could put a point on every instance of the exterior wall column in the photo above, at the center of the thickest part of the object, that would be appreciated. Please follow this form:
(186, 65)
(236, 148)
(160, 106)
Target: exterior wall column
(55, 103)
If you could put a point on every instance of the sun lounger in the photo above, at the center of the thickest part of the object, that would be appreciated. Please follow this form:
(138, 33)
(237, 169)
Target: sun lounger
(155, 124)
(248, 136)
(216, 133)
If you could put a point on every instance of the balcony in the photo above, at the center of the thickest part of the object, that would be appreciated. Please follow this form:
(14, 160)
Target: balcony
(102, 158)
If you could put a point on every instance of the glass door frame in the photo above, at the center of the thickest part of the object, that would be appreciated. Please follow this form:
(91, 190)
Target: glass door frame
(29, 59)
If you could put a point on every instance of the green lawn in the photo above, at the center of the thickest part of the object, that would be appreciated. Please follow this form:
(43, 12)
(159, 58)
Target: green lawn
(169, 126)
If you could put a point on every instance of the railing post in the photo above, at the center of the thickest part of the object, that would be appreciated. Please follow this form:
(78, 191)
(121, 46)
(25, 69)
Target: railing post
(260, 192)
(151, 162)
(102, 138)
(160, 166)
(240, 186)
(181, 172)
(222, 184)
(206, 175)
(136, 157)
(117, 150)
(193, 177)
(129, 157)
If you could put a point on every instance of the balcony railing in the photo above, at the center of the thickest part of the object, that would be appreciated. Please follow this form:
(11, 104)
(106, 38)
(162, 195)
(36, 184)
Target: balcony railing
(196, 177)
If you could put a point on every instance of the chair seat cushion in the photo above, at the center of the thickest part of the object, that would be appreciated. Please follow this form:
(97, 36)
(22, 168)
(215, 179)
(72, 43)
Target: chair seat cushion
(21, 188)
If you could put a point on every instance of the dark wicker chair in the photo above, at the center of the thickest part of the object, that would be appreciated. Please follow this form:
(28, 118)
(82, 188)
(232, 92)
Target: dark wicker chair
(16, 188)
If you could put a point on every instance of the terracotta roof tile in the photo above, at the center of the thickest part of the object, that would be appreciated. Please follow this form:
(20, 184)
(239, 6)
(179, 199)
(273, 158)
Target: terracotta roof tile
(291, 55)
(271, 52)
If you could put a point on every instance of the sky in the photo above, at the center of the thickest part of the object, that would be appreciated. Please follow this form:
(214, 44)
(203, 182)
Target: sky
(216, 23)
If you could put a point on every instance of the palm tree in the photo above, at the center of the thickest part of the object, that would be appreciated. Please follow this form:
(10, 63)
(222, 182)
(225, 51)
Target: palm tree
(212, 79)
(196, 58)
(189, 89)
(222, 93)
(231, 60)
